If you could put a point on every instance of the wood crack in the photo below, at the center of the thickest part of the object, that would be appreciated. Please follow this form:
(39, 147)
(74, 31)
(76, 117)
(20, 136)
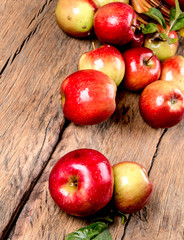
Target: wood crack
(126, 225)
(149, 171)
(156, 151)
(39, 12)
(15, 215)
(4, 67)
(19, 49)
(24, 42)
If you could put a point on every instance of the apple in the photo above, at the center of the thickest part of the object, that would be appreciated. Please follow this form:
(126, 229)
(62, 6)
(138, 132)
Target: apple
(172, 3)
(162, 104)
(141, 68)
(75, 17)
(138, 40)
(132, 187)
(115, 23)
(88, 97)
(81, 182)
(162, 48)
(173, 70)
(106, 59)
(103, 2)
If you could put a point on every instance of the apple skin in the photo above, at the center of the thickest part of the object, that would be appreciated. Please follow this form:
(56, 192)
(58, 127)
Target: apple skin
(81, 182)
(172, 3)
(173, 70)
(115, 23)
(132, 187)
(162, 49)
(75, 17)
(141, 68)
(104, 2)
(106, 59)
(161, 104)
(88, 97)
(137, 41)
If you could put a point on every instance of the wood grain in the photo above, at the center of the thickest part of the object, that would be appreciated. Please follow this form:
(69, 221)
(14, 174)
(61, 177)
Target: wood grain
(116, 139)
(35, 57)
(163, 218)
(18, 21)
(30, 112)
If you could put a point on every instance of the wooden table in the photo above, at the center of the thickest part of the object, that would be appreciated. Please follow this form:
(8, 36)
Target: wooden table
(35, 58)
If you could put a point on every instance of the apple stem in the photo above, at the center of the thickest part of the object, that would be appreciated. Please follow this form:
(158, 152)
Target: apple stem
(146, 62)
(93, 45)
(157, 36)
(136, 26)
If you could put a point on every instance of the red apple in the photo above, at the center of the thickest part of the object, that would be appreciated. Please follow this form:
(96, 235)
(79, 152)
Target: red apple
(173, 70)
(88, 97)
(103, 2)
(141, 68)
(132, 187)
(162, 48)
(162, 104)
(172, 3)
(106, 59)
(138, 40)
(115, 23)
(75, 17)
(81, 182)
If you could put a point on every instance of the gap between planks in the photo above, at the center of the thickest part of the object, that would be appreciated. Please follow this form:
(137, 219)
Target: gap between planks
(28, 192)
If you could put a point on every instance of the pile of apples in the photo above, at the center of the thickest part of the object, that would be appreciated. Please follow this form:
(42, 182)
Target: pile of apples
(83, 181)
(131, 54)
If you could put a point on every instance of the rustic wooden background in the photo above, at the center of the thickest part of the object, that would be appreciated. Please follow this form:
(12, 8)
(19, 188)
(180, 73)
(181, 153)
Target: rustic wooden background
(35, 57)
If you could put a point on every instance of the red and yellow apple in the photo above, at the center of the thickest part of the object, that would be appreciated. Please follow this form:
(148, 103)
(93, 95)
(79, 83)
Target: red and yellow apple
(132, 187)
(88, 97)
(106, 59)
(141, 68)
(115, 23)
(162, 48)
(162, 104)
(172, 69)
(81, 182)
(75, 17)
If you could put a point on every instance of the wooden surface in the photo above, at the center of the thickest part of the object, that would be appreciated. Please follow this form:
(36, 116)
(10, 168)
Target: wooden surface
(35, 57)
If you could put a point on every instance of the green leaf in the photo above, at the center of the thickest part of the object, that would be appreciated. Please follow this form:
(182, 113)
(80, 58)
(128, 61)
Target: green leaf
(176, 18)
(178, 10)
(105, 235)
(164, 36)
(149, 28)
(105, 219)
(87, 233)
(172, 15)
(178, 23)
(123, 217)
(172, 40)
(155, 14)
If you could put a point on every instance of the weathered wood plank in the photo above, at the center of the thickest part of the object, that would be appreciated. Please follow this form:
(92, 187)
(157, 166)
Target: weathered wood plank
(123, 137)
(30, 113)
(18, 20)
(163, 219)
